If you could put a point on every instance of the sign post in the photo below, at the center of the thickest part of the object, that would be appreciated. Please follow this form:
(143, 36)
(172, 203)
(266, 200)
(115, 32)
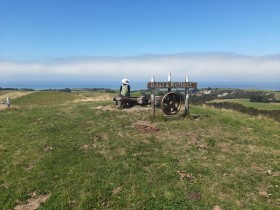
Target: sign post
(172, 85)
(171, 102)
(169, 80)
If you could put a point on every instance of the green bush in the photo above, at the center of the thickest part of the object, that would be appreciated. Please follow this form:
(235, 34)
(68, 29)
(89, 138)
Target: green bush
(259, 98)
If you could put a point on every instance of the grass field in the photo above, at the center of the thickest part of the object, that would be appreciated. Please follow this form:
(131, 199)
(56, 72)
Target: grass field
(3, 92)
(247, 103)
(87, 154)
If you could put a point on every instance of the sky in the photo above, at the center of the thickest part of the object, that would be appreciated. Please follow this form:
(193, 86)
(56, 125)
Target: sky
(217, 40)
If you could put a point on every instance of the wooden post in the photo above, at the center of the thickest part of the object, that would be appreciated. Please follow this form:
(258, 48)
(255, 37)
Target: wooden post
(8, 102)
(153, 98)
(120, 104)
(169, 80)
(187, 110)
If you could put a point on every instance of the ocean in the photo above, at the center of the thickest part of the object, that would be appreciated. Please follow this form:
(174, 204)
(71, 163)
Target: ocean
(41, 85)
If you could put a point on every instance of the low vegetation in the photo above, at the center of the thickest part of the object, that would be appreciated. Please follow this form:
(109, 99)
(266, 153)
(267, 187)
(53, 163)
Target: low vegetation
(45, 98)
(248, 103)
(3, 92)
(204, 95)
(61, 151)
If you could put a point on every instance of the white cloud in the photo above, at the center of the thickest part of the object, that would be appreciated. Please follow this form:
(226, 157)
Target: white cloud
(204, 66)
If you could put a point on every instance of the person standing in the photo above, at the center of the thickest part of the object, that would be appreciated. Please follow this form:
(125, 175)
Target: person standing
(125, 88)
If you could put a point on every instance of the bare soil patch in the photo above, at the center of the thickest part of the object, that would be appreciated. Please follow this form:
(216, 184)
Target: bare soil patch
(194, 196)
(33, 203)
(146, 127)
(183, 174)
(102, 97)
(115, 108)
(106, 108)
(3, 106)
(117, 190)
(217, 208)
(136, 109)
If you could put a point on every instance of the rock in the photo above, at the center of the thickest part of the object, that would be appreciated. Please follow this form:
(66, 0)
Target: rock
(269, 172)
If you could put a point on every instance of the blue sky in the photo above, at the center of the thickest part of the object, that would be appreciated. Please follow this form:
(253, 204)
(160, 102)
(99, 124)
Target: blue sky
(35, 35)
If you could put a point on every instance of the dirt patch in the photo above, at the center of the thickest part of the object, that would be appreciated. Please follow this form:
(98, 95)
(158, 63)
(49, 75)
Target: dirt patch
(224, 147)
(115, 108)
(47, 148)
(217, 208)
(3, 106)
(183, 174)
(117, 190)
(146, 127)
(86, 147)
(95, 140)
(194, 196)
(34, 202)
(136, 109)
(106, 108)
(201, 145)
(102, 97)
(270, 173)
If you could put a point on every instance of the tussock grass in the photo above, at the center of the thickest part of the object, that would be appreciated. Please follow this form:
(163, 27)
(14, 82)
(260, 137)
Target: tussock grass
(3, 92)
(87, 156)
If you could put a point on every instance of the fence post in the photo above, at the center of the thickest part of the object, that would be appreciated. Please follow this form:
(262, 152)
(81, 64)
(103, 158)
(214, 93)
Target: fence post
(8, 102)
(153, 98)
(187, 105)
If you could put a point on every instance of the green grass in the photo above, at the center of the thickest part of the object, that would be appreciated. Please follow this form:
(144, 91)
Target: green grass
(247, 103)
(90, 155)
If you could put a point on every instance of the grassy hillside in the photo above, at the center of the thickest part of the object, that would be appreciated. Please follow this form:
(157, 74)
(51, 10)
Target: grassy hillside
(247, 103)
(277, 95)
(3, 92)
(91, 155)
(45, 98)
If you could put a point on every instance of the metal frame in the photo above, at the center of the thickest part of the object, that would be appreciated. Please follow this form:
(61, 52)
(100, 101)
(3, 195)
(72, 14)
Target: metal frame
(171, 103)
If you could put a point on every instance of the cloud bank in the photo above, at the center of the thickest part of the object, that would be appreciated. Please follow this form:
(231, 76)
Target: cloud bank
(199, 66)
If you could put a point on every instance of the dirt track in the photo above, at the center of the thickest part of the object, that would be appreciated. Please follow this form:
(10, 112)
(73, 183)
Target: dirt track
(12, 95)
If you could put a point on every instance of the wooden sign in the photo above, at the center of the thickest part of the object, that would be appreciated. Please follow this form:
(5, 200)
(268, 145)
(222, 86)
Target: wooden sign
(172, 85)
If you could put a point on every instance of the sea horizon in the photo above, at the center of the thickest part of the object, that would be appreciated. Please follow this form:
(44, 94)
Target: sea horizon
(137, 85)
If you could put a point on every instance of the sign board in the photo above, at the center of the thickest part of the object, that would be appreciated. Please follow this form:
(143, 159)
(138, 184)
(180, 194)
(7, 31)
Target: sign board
(172, 85)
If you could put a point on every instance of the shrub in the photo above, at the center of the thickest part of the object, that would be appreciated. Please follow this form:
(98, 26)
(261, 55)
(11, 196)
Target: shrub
(259, 98)
(274, 114)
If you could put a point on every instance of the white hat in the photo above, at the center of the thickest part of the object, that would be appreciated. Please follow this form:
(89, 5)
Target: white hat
(125, 81)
